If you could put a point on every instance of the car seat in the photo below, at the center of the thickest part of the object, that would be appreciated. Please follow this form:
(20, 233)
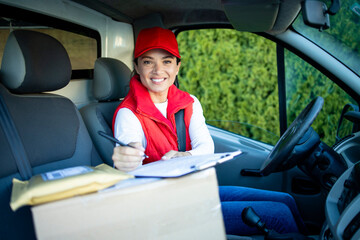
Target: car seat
(110, 86)
(39, 131)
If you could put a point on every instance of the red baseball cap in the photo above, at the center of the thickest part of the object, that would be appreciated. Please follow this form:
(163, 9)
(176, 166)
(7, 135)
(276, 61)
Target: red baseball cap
(156, 37)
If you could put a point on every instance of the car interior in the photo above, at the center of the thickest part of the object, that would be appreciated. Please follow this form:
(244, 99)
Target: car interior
(66, 66)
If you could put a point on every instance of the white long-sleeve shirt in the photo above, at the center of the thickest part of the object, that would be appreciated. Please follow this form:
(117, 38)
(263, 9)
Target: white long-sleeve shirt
(128, 128)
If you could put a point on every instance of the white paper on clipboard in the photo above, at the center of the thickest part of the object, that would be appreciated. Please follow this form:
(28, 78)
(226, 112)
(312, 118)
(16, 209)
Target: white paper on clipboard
(180, 166)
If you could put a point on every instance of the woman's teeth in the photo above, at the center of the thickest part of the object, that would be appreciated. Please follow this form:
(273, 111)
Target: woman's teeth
(157, 79)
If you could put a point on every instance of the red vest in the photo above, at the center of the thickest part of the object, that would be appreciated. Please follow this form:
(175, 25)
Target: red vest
(160, 132)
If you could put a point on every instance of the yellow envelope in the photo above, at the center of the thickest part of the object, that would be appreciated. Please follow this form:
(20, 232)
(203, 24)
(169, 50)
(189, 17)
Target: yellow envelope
(63, 183)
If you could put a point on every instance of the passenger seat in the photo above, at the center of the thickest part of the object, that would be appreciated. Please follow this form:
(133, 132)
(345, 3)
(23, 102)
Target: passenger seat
(40, 132)
(110, 86)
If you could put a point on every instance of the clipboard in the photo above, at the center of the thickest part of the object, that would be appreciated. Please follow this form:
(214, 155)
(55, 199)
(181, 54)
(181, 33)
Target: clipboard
(177, 167)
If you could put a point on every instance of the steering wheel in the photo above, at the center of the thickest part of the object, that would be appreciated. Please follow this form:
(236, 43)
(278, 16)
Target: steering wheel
(279, 155)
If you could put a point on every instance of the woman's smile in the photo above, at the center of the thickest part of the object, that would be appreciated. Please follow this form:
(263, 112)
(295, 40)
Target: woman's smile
(158, 80)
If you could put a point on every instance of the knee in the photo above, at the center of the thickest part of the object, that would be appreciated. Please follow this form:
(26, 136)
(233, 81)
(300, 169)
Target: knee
(284, 198)
(278, 209)
(289, 200)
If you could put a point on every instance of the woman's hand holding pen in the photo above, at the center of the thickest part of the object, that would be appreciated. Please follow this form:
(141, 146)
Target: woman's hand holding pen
(128, 158)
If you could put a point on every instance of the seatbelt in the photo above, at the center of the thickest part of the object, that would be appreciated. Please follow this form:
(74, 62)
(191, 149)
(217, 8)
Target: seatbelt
(14, 140)
(180, 130)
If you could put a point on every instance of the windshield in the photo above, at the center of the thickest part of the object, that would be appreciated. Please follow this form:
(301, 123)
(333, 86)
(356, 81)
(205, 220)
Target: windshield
(342, 38)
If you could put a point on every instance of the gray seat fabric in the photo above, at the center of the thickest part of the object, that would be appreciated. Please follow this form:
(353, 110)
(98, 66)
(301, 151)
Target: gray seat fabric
(50, 127)
(110, 85)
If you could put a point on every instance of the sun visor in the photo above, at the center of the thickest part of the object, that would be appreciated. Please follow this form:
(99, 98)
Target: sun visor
(251, 15)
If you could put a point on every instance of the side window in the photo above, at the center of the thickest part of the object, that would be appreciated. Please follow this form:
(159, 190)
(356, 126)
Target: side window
(82, 49)
(234, 75)
(303, 83)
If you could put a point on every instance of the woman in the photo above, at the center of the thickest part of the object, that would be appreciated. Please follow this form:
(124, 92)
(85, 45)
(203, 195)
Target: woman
(145, 120)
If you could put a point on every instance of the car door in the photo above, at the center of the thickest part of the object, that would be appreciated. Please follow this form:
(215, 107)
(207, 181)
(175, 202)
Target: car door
(251, 88)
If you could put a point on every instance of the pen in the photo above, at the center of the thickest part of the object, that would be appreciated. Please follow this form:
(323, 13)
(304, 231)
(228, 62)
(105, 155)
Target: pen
(103, 134)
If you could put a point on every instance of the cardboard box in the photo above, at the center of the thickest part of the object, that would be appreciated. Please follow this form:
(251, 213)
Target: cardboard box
(178, 208)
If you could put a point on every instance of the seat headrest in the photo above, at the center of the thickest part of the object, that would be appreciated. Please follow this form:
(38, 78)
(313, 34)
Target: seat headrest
(34, 62)
(111, 79)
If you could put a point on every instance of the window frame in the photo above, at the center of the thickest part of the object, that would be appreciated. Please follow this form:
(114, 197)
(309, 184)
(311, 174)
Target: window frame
(280, 58)
(313, 63)
(282, 118)
(323, 70)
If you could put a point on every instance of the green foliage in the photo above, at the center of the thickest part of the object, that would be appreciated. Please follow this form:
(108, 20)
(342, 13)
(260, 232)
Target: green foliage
(341, 40)
(233, 74)
(304, 83)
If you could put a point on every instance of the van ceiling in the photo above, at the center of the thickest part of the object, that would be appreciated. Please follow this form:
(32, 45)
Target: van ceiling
(194, 12)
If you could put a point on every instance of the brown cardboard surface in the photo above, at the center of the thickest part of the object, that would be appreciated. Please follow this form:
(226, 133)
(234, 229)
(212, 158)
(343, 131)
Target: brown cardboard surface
(180, 208)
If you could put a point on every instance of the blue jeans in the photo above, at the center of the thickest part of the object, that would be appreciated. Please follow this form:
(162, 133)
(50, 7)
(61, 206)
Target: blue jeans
(278, 210)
